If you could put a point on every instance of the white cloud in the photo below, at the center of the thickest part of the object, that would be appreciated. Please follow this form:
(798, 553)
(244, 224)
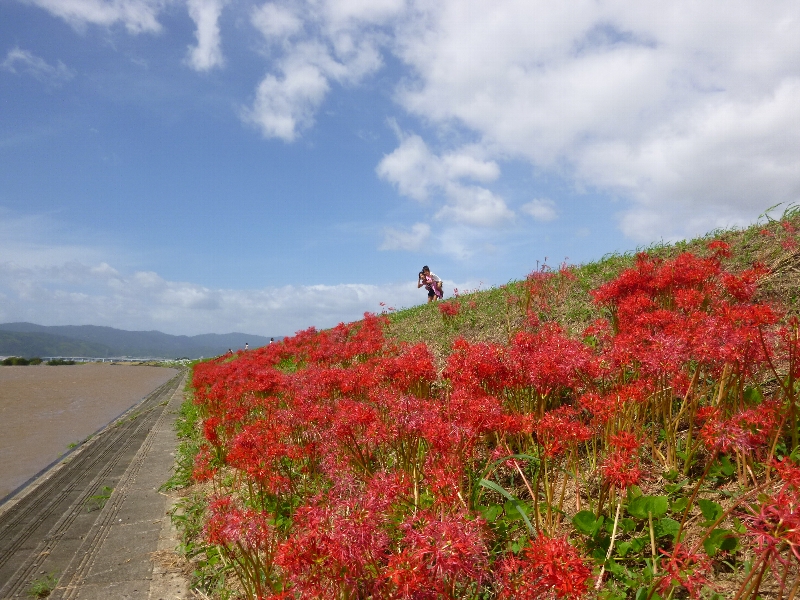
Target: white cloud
(413, 239)
(412, 168)
(708, 168)
(285, 105)
(345, 13)
(78, 293)
(418, 173)
(137, 15)
(473, 205)
(333, 44)
(686, 111)
(207, 54)
(275, 22)
(37, 67)
(541, 209)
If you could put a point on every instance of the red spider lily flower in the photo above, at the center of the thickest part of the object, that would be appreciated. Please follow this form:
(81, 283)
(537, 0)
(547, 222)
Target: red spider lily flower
(479, 367)
(744, 285)
(210, 430)
(340, 540)
(774, 525)
(224, 521)
(550, 568)
(685, 569)
(704, 413)
(449, 309)
(204, 468)
(440, 556)
(624, 440)
(790, 245)
(788, 227)
(789, 472)
(258, 450)
(601, 408)
(720, 249)
(621, 467)
(560, 429)
(620, 470)
(230, 525)
(413, 367)
(748, 429)
(548, 360)
(463, 419)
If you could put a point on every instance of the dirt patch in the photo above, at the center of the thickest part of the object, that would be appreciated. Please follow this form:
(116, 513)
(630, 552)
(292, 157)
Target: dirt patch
(45, 409)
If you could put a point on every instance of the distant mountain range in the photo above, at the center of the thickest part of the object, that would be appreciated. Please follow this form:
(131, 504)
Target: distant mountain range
(28, 340)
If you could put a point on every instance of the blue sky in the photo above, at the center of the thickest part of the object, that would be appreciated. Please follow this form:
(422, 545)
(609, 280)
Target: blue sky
(201, 166)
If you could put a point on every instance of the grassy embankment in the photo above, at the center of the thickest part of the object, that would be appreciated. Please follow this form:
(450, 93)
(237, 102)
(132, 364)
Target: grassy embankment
(688, 525)
(500, 312)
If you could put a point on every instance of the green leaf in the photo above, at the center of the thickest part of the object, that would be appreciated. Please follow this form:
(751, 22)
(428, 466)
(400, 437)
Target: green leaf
(586, 523)
(679, 505)
(638, 544)
(490, 513)
(623, 548)
(512, 513)
(643, 506)
(721, 539)
(738, 526)
(634, 491)
(626, 525)
(615, 568)
(666, 527)
(753, 395)
(726, 467)
(673, 488)
(516, 503)
(711, 510)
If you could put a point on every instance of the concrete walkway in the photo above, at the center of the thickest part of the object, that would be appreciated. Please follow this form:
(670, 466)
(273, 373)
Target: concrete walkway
(123, 552)
(116, 560)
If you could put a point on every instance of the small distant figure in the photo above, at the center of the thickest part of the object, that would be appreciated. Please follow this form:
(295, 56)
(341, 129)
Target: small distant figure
(432, 283)
(230, 351)
(246, 346)
(271, 340)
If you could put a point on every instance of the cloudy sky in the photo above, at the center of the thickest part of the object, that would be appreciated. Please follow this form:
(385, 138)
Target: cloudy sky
(199, 166)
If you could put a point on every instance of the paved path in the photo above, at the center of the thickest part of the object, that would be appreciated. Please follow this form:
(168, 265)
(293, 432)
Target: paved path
(111, 552)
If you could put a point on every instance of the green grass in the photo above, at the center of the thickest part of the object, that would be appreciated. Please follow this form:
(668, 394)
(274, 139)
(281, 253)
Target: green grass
(497, 315)
(43, 586)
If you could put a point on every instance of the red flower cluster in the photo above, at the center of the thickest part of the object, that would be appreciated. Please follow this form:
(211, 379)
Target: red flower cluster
(347, 467)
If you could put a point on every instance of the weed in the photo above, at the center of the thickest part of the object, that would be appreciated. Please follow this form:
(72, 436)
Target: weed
(98, 501)
(43, 586)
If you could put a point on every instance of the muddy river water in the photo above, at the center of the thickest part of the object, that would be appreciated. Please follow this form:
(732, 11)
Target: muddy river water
(44, 409)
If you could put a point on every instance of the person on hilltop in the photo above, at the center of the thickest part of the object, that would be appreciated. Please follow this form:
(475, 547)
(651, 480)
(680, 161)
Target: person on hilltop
(432, 283)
